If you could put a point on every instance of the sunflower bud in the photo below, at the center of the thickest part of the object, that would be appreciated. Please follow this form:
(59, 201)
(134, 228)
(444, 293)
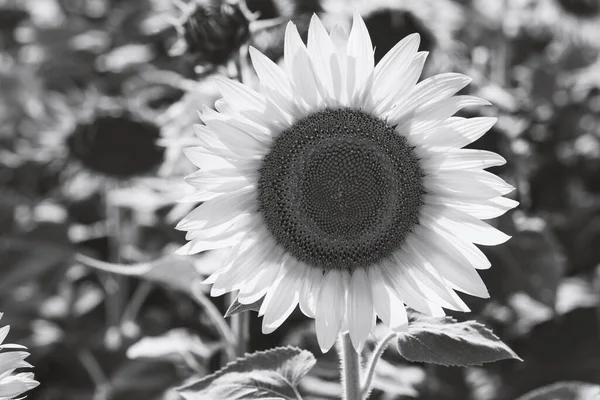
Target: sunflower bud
(213, 30)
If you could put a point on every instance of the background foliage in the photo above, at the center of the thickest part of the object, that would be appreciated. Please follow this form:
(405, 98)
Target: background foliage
(88, 87)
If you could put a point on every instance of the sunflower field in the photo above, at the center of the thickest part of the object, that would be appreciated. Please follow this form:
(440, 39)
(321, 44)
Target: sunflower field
(300, 199)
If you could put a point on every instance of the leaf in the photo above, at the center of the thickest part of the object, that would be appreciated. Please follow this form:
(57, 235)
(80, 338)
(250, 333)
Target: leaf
(532, 261)
(237, 307)
(262, 375)
(565, 391)
(447, 342)
(26, 255)
(175, 344)
(560, 349)
(174, 271)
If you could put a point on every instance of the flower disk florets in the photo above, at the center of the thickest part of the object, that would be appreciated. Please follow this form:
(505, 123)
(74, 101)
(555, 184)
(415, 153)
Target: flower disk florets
(340, 189)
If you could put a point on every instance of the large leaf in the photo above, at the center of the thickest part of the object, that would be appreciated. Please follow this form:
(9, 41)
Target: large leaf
(271, 374)
(565, 391)
(447, 342)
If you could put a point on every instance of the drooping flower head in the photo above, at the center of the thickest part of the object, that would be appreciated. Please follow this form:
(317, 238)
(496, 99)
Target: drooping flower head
(13, 385)
(212, 30)
(342, 187)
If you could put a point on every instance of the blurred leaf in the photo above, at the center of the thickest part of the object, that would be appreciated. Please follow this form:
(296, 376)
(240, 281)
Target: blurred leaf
(175, 344)
(24, 256)
(267, 374)
(562, 349)
(399, 380)
(447, 342)
(173, 271)
(237, 307)
(141, 379)
(565, 391)
(532, 261)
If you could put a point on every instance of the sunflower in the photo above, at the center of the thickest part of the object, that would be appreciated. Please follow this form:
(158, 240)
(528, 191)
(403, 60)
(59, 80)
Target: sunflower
(11, 384)
(342, 187)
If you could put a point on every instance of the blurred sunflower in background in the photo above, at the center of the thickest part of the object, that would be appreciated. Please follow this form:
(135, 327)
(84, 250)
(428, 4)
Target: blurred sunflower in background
(343, 187)
(13, 385)
(389, 21)
(576, 20)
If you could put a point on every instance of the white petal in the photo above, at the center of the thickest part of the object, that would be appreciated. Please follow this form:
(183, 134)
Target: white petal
(432, 89)
(381, 301)
(453, 266)
(466, 184)
(459, 132)
(463, 159)
(464, 226)
(310, 290)
(223, 208)
(330, 308)
(359, 309)
(394, 65)
(398, 318)
(482, 209)
(258, 132)
(322, 53)
(435, 114)
(339, 38)
(299, 67)
(258, 285)
(405, 288)
(427, 280)
(400, 88)
(270, 74)
(284, 298)
(240, 96)
(360, 54)
(246, 266)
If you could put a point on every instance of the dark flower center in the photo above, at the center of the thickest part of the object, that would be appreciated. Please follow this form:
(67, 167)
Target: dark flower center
(116, 146)
(340, 189)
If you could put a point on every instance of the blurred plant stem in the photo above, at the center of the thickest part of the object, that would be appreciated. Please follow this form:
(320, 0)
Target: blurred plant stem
(114, 285)
(240, 326)
(377, 353)
(350, 368)
(217, 318)
(501, 55)
(94, 370)
(135, 304)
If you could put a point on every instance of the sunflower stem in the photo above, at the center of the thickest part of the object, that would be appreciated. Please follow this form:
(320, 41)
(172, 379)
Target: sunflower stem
(116, 285)
(350, 368)
(240, 325)
(217, 318)
(377, 353)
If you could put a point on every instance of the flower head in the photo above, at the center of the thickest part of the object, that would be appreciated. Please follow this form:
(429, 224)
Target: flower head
(212, 30)
(343, 187)
(11, 384)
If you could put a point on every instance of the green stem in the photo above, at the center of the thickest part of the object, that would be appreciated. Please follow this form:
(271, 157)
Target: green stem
(115, 285)
(377, 353)
(240, 325)
(350, 365)
(217, 318)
